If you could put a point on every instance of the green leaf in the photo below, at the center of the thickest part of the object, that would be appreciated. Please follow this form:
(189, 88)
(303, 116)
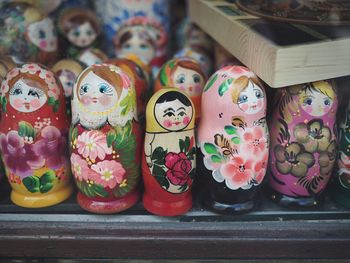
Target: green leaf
(163, 76)
(32, 183)
(3, 103)
(54, 103)
(163, 181)
(73, 133)
(183, 187)
(158, 155)
(92, 190)
(99, 190)
(236, 140)
(187, 143)
(111, 136)
(215, 159)
(158, 171)
(182, 145)
(191, 154)
(26, 129)
(46, 181)
(224, 86)
(230, 129)
(210, 148)
(210, 82)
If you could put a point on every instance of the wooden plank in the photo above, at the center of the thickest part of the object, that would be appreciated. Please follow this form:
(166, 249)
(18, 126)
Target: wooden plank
(307, 53)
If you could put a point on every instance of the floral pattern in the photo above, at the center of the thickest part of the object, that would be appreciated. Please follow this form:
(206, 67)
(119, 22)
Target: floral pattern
(80, 167)
(179, 168)
(108, 173)
(254, 141)
(92, 144)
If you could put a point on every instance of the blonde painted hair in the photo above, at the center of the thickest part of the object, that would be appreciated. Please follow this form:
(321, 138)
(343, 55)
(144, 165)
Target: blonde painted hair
(241, 84)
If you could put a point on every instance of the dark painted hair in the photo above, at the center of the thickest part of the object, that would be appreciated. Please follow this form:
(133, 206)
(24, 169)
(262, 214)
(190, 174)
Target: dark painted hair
(174, 95)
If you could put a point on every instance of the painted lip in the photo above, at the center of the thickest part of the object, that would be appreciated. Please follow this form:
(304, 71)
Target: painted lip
(254, 107)
(94, 100)
(177, 122)
(27, 105)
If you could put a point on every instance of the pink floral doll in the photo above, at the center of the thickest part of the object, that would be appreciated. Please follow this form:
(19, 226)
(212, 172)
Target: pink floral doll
(33, 139)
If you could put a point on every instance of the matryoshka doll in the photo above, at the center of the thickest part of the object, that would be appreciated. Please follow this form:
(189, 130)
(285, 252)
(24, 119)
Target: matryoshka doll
(27, 34)
(198, 54)
(169, 158)
(233, 139)
(80, 27)
(33, 139)
(91, 56)
(185, 74)
(67, 71)
(102, 140)
(143, 37)
(340, 184)
(303, 143)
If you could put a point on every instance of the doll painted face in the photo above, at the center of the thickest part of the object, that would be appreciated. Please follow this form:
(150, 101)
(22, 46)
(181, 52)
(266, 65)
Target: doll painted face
(82, 35)
(26, 96)
(189, 81)
(67, 79)
(43, 35)
(96, 94)
(173, 115)
(315, 103)
(138, 42)
(251, 99)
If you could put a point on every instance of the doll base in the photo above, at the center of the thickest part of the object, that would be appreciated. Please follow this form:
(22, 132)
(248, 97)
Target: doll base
(167, 208)
(224, 208)
(41, 200)
(108, 206)
(306, 203)
(340, 195)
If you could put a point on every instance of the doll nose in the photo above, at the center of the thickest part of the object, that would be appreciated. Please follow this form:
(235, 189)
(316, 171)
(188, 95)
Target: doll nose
(190, 88)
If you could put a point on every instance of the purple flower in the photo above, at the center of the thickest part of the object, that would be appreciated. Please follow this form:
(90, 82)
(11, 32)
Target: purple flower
(52, 147)
(19, 157)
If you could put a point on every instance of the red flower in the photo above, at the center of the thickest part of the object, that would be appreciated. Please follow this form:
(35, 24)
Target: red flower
(179, 168)
(260, 169)
(238, 173)
(255, 142)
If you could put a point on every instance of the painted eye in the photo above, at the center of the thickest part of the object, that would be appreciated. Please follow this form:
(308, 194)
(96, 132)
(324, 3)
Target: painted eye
(169, 114)
(143, 46)
(127, 46)
(42, 34)
(327, 102)
(70, 83)
(181, 79)
(307, 101)
(181, 113)
(89, 33)
(33, 93)
(258, 94)
(105, 89)
(196, 78)
(84, 89)
(242, 99)
(76, 33)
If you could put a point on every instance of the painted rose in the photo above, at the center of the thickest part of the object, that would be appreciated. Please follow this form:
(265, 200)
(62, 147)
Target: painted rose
(254, 141)
(52, 147)
(18, 156)
(179, 168)
(315, 136)
(293, 159)
(238, 173)
(93, 144)
(259, 169)
(80, 168)
(108, 173)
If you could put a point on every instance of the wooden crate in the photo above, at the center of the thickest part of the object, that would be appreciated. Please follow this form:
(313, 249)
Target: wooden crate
(280, 53)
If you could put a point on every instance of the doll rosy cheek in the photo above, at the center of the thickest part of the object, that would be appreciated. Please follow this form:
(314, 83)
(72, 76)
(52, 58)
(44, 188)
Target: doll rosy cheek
(244, 106)
(167, 123)
(308, 109)
(43, 44)
(182, 87)
(17, 103)
(105, 100)
(85, 100)
(198, 88)
(186, 120)
(35, 103)
(260, 103)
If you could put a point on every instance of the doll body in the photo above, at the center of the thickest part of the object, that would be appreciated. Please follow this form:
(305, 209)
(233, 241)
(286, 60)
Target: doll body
(33, 137)
(103, 147)
(168, 162)
(233, 139)
(303, 143)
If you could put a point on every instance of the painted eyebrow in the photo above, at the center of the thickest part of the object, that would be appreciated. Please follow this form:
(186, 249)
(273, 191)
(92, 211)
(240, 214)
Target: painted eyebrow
(181, 108)
(169, 109)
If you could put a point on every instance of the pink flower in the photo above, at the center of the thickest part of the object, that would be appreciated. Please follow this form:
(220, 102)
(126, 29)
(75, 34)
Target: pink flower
(93, 144)
(108, 173)
(238, 173)
(260, 169)
(80, 168)
(12, 73)
(30, 68)
(179, 168)
(254, 141)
